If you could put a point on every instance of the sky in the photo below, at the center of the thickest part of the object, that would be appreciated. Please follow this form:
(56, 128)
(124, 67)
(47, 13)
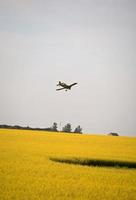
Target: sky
(91, 42)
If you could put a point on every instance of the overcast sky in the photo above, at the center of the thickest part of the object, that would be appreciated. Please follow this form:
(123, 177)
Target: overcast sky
(92, 42)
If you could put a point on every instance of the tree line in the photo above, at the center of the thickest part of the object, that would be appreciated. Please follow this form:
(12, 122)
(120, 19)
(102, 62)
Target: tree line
(67, 128)
(54, 128)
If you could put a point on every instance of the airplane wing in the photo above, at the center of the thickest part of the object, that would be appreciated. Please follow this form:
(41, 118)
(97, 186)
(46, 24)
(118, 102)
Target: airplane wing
(60, 89)
(73, 84)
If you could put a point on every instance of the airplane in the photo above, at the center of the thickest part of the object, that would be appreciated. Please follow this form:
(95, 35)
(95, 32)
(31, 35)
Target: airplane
(65, 86)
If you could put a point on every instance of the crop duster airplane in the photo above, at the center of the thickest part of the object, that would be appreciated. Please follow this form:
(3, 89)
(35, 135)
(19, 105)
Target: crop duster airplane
(65, 86)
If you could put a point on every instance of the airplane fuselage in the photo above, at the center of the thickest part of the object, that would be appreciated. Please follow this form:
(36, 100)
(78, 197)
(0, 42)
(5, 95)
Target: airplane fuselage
(65, 86)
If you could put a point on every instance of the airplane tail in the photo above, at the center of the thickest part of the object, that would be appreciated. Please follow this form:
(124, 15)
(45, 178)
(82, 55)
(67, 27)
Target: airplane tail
(59, 83)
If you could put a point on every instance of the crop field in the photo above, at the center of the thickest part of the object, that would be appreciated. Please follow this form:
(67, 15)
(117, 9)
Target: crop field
(37, 165)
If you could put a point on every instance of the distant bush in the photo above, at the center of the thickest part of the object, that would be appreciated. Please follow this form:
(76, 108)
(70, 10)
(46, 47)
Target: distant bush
(113, 134)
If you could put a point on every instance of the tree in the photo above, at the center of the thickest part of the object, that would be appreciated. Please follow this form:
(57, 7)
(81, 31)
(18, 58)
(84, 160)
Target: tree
(67, 128)
(78, 129)
(54, 127)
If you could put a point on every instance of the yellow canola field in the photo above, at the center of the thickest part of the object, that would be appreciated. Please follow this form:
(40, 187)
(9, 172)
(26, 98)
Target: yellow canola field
(27, 173)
